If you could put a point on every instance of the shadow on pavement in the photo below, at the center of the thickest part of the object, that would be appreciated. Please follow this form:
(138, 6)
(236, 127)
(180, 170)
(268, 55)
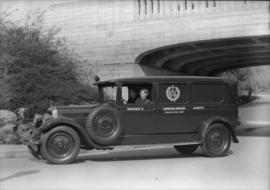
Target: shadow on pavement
(132, 155)
(19, 174)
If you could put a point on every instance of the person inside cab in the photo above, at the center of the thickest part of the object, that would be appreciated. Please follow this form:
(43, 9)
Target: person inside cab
(132, 96)
(143, 99)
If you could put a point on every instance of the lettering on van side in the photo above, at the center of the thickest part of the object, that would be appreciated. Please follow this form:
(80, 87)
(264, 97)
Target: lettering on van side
(135, 109)
(198, 107)
(174, 110)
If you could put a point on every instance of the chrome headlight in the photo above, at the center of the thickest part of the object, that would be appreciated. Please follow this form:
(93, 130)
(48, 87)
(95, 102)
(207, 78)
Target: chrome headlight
(54, 113)
(38, 118)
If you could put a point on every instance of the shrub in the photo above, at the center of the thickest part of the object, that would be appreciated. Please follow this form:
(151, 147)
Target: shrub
(36, 67)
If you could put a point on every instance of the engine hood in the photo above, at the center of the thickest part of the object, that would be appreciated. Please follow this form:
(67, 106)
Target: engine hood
(73, 109)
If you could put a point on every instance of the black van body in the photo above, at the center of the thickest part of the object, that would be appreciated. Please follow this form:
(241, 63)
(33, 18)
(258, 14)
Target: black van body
(186, 112)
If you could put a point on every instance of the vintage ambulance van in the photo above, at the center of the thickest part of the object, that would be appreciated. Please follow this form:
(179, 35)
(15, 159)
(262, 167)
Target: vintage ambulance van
(185, 112)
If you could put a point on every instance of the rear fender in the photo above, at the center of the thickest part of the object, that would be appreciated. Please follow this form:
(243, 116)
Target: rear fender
(207, 123)
(54, 122)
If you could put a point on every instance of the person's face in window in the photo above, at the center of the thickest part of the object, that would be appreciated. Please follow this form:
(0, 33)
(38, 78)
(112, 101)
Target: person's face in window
(132, 93)
(143, 94)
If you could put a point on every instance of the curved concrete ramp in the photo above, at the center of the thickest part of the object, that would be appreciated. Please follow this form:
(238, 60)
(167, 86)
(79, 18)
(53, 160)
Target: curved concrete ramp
(210, 57)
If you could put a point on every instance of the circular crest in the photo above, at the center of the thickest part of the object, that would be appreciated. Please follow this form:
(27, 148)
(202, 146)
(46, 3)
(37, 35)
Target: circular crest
(173, 93)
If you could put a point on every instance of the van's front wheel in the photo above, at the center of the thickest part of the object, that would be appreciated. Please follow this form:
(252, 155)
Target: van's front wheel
(60, 145)
(217, 141)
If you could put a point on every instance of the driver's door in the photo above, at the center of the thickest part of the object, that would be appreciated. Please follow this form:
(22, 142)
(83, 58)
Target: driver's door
(137, 119)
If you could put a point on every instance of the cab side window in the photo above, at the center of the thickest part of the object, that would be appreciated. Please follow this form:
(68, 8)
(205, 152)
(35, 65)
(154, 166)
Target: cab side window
(109, 93)
(171, 93)
(136, 94)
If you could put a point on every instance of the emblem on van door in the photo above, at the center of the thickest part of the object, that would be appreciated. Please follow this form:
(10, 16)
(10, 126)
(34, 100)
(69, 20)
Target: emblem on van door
(173, 93)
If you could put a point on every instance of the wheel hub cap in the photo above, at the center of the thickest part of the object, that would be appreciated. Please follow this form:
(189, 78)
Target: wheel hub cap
(60, 145)
(216, 141)
(105, 125)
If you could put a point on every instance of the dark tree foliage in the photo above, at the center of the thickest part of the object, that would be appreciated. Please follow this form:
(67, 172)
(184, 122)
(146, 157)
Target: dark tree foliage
(36, 68)
(250, 81)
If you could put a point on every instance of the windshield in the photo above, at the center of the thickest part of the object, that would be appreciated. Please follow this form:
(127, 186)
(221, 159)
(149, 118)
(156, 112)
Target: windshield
(109, 93)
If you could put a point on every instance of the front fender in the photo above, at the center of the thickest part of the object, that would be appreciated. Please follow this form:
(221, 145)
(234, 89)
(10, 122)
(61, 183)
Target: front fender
(217, 119)
(54, 122)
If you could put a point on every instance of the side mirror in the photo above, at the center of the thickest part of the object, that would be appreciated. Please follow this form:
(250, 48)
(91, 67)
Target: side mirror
(96, 78)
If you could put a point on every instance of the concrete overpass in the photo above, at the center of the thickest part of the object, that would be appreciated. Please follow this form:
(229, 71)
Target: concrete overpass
(165, 37)
(210, 57)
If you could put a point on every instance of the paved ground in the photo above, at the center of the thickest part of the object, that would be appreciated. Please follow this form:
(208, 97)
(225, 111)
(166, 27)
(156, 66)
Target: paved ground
(256, 117)
(247, 167)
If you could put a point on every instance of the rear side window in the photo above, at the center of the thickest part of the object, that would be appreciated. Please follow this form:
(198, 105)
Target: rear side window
(172, 93)
(206, 92)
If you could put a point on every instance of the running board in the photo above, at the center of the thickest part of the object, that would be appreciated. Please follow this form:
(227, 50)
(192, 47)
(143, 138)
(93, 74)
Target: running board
(146, 146)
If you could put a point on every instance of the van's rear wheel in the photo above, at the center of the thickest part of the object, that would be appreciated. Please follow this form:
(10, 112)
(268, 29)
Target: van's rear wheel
(186, 149)
(217, 140)
(60, 145)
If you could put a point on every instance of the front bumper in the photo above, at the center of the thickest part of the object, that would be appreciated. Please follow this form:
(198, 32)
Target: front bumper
(32, 136)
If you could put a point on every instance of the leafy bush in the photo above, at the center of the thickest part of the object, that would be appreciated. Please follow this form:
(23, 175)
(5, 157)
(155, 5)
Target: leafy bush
(36, 67)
